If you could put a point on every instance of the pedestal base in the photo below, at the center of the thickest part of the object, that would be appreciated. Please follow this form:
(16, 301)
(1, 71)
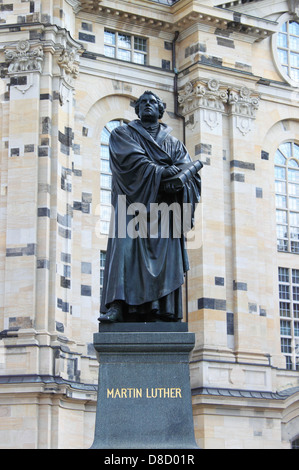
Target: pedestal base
(144, 397)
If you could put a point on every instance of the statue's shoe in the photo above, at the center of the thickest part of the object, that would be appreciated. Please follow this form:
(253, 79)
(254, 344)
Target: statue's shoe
(113, 315)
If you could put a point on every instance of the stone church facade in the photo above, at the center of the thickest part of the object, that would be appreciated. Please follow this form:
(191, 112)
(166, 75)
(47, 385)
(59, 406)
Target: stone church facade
(229, 76)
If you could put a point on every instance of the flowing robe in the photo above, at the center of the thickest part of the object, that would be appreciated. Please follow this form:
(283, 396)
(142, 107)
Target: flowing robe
(145, 272)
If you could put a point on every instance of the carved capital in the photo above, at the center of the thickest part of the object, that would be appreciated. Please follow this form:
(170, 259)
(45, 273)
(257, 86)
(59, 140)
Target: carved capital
(243, 106)
(243, 102)
(209, 95)
(24, 57)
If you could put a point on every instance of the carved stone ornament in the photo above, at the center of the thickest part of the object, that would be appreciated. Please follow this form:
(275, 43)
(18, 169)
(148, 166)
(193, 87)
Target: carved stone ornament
(243, 102)
(243, 105)
(208, 95)
(24, 58)
(69, 65)
(294, 8)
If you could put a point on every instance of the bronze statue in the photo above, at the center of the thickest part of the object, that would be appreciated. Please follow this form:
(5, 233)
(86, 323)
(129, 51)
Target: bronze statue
(145, 268)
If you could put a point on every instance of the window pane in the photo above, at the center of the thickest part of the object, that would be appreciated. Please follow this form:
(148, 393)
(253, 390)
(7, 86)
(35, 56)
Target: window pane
(282, 245)
(105, 152)
(282, 40)
(283, 56)
(294, 233)
(279, 158)
(296, 293)
(139, 58)
(104, 227)
(294, 74)
(112, 125)
(296, 310)
(294, 219)
(294, 28)
(296, 150)
(102, 259)
(124, 41)
(293, 203)
(293, 189)
(284, 309)
(281, 187)
(294, 43)
(281, 201)
(106, 181)
(286, 149)
(105, 197)
(282, 231)
(283, 274)
(294, 59)
(294, 247)
(124, 55)
(105, 213)
(293, 175)
(281, 217)
(284, 292)
(140, 44)
(280, 173)
(109, 38)
(295, 276)
(285, 328)
(109, 51)
(296, 328)
(105, 136)
(286, 345)
(105, 166)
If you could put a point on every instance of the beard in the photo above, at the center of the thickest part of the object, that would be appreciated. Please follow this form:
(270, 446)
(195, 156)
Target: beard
(149, 117)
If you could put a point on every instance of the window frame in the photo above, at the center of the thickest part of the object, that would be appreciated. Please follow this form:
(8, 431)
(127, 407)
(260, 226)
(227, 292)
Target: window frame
(132, 50)
(289, 325)
(284, 191)
(106, 175)
(285, 18)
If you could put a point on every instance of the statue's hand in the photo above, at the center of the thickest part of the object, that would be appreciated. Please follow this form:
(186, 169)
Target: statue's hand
(170, 171)
(170, 188)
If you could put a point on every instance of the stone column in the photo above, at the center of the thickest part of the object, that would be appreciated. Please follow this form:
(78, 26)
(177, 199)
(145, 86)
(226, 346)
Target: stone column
(203, 105)
(25, 61)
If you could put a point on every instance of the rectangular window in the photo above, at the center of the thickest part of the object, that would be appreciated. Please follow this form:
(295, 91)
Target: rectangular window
(125, 47)
(289, 315)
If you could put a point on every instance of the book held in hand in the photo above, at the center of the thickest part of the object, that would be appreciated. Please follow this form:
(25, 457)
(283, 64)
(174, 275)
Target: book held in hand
(188, 170)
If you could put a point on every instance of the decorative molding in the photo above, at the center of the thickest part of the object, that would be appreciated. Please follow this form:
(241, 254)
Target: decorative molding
(214, 98)
(243, 102)
(24, 58)
(208, 95)
(294, 8)
(68, 62)
(243, 105)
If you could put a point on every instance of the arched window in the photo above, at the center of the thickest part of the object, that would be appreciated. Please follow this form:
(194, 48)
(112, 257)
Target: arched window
(287, 48)
(287, 196)
(106, 176)
(295, 444)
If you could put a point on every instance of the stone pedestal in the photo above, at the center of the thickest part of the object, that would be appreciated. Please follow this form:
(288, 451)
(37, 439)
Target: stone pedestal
(144, 396)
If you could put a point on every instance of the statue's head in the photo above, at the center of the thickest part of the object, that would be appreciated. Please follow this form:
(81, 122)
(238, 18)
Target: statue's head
(146, 94)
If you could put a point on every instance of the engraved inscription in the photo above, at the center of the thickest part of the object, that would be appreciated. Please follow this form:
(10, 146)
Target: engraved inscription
(152, 392)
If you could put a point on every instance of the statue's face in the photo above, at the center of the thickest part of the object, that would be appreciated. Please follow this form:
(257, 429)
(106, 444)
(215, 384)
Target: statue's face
(148, 108)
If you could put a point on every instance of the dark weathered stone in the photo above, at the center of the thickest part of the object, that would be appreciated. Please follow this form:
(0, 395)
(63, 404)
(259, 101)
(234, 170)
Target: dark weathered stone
(144, 398)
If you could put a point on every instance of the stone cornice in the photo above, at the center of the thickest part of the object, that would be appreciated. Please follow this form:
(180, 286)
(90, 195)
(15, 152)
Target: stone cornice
(180, 16)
